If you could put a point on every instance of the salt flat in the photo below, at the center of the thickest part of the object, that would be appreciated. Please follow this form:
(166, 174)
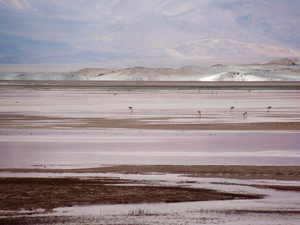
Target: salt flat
(47, 130)
(82, 127)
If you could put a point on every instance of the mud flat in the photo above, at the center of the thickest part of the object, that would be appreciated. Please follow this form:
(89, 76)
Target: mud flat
(118, 198)
(284, 173)
(50, 193)
(29, 122)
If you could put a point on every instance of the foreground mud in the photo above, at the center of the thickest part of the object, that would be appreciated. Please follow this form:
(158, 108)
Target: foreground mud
(50, 193)
(152, 218)
(36, 200)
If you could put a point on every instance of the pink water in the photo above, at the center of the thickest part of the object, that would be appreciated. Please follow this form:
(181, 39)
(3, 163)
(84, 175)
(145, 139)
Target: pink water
(77, 148)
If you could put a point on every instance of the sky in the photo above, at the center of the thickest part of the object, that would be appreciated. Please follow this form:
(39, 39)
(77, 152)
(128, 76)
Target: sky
(82, 31)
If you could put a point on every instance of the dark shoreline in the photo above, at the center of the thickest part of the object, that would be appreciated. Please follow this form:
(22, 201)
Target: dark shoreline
(38, 122)
(150, 85)
(50, 193)
(284, 173)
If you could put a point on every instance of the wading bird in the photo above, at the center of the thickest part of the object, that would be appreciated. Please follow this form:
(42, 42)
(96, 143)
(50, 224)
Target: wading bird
(199, 112)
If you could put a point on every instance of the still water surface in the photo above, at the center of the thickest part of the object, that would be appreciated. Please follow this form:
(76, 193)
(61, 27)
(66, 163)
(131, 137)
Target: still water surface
(89, 148)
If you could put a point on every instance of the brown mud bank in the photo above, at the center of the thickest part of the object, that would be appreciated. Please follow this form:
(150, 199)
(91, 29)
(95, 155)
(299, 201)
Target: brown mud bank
(50, 122)
(284, 173)
(49, 193)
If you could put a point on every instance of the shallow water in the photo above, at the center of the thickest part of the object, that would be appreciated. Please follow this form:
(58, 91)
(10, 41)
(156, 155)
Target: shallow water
(88, 148)
(270, 210)
(23, 146)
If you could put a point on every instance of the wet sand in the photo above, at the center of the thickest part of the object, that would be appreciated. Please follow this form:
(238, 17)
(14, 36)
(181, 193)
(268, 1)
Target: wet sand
(50, 193)
(32, 107)
(44, 122)
(283, 173)
(33, 200)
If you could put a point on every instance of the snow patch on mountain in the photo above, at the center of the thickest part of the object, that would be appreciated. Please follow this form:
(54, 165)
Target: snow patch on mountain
(233, 77)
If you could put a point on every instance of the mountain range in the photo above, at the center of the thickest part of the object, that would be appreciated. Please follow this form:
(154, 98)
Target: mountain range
(79, 31)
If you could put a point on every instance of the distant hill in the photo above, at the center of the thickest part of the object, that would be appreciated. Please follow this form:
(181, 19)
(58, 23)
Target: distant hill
(112, 31)
(276, 70)
(284, 62)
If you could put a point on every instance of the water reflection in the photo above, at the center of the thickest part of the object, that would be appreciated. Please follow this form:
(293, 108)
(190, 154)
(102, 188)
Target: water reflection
(148, 147)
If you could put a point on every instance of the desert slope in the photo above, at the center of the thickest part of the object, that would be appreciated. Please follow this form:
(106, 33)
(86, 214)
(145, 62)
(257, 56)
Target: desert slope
(277, 70)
